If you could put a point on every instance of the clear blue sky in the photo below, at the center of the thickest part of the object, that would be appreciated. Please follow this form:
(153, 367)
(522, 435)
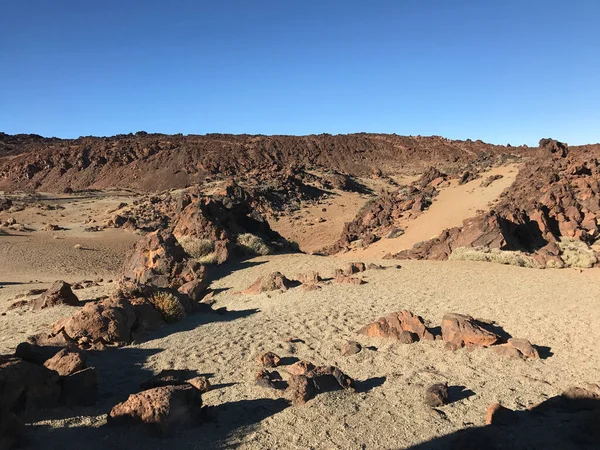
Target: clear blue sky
(504, 71)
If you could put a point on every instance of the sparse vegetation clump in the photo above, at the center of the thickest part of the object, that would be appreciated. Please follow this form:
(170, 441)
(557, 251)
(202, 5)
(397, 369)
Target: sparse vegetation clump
(512, 258)
(250, 244)
(576, 253)
(169, 306)
(196, 247)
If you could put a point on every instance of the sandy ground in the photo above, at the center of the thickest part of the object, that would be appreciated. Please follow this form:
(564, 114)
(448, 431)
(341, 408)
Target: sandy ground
(388, 410)
(449, 209)
(558, 310)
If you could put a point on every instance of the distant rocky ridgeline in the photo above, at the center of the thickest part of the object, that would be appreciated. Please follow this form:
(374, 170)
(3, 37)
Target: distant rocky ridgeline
(157, 161)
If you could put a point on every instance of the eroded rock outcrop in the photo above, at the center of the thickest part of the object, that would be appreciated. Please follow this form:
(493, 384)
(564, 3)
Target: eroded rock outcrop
(167, 409)
(59, 294)
(459, 330)
(402, 326)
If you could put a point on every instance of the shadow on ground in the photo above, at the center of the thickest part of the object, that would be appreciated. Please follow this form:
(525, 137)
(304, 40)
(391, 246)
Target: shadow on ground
(557, 423)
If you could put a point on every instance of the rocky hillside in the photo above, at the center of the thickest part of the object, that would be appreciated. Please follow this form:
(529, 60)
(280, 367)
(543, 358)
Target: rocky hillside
(551, 212)
(156, 161)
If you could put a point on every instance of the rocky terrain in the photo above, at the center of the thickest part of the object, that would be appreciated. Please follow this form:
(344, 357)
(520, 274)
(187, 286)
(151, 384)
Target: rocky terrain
(154, 162)
(186, 311)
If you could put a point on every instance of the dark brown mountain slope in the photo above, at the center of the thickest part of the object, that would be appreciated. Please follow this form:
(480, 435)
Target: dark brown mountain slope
(156, 161)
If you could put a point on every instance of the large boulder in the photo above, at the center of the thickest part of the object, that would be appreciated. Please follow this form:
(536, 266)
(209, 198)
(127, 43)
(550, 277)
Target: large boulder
(157, 259)
(167, 409)
(59, 294)
(102, 323)
(25, 386)
(459, 330)
(66, 362)
(403, 326)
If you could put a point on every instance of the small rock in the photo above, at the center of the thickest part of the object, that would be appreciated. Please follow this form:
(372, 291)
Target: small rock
(268, 359)
(351, 348)
(437, 395)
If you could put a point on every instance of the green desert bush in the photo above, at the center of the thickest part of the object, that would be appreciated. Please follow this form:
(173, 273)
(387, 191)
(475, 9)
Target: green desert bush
(250, 244)
(169, 306)
(576, 253)
(495, 255)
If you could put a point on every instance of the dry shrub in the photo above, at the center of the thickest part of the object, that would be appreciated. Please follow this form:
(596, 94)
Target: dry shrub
(169, 306)
(512, 258)
(576, 253)
(196, 247)
(251, 244)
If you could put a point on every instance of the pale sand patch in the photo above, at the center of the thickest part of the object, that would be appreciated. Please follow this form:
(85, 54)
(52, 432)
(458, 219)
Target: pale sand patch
(304, 227)
(449, 209)
(553, 308)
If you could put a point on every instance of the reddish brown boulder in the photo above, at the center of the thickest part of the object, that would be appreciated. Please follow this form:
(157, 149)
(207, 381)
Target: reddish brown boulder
(200, 383)
(353, 268)
(168, 409)
(330, 377)
(301, 389)
(105, 322)
(268, 360)
(300, 368)
(403, 326)
(160, 261)
(59, 294)
(437, 395)
(66, 362)
(460, 330)
(517, 348)
(25, 386)
(273, 282)
(309, 278)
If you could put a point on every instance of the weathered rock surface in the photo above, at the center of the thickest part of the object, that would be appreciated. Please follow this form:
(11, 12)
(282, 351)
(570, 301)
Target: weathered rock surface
(272, 282)
(167, 409)
(403, 326)
(59, 294)
(301, 389)
(459, 330)
(350, 348)
(517, 348)
(268, 360)
(102, 323)
(66, 362)
(436, 395)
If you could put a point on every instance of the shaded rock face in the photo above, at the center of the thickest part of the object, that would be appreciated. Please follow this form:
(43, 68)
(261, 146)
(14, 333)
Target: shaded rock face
(460, 330)
(556, 195)
(80, 388)
(273, 282)
(167, 409)
(25, 386)
(59, 294)
(402, 326)
(436, 395)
